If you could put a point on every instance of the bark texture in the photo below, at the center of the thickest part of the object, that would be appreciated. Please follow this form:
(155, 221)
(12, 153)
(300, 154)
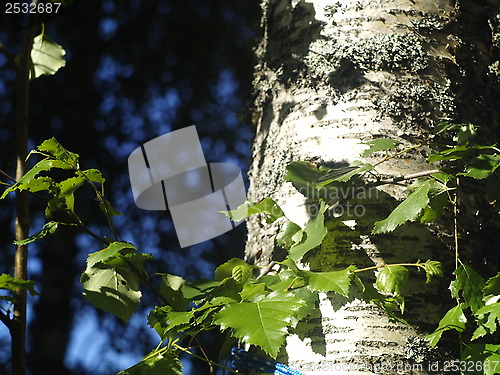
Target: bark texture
(332, 74)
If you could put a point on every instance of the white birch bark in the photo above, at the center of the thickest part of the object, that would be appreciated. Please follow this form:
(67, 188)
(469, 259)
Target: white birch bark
(332, 74)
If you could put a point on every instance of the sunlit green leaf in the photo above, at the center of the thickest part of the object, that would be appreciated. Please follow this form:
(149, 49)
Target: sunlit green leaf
(315, 231)
(286, 233)
(112, 289)
(108, 252)
(408, 210)
(336, 281)
(170, 289)
(433, 268)
(453, 319)
(46, 56)
(55, 149)
(470, 284)
(267, 206)
(381, 144)
(159, 362)
(263, 323)
(392, 279)
(10, 283)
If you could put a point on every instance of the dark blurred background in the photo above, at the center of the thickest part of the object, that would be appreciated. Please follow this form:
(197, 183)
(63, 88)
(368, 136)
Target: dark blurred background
(135, 70)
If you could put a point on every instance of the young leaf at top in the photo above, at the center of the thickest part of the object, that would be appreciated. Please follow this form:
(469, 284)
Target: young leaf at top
(471, 284)
(10, 283)
(267, 206)
(263, 323)
(158, 362)
(408, 210)
(57, 151)
(381, 144)
(315, 231)
(453, 319)
(46, 56)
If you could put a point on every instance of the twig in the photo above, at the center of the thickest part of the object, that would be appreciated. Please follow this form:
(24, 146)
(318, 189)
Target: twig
(8, 176)
(203, 359)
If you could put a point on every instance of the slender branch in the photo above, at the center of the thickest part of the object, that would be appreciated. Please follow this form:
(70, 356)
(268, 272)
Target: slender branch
(401, 178)
(396, 154)
(10, 58)
(18, 326)
(8, 176)
(203, 359)
(420, 265)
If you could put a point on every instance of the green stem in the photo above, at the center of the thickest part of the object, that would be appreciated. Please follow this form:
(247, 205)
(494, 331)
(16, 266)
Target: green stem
(203, 359)
(390, 265)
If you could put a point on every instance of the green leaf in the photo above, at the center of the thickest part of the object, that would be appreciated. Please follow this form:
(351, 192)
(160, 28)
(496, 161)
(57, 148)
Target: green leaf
(250, 290)
(372, 295)
(492, 287)
(492, 313)
(104, 254)
(471, 285)
(112, 289)
(435, 209)
(168, 323)
(481, 166)
(67, 190)
(94, 175)
(303, 173)
(433, 268)
(200, 289)
(453, 319)
(263, 323)
(170, 289)
(243, 270)
(108, 209)
(315, 231)
(484, 358)
(48, 228)
(46, 56)
(337, 281)
(26, 182)
(355, 168)
(158, 362)
(56, 150)
(10, 283)
(381, 144)
(408, 210)
(286, 233)
(267, 206)
(392, 279)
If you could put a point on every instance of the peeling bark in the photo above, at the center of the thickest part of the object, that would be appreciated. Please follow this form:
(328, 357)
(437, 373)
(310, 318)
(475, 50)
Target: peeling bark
(332, 74)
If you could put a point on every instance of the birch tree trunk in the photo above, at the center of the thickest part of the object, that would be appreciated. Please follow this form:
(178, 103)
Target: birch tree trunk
(332, 74)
